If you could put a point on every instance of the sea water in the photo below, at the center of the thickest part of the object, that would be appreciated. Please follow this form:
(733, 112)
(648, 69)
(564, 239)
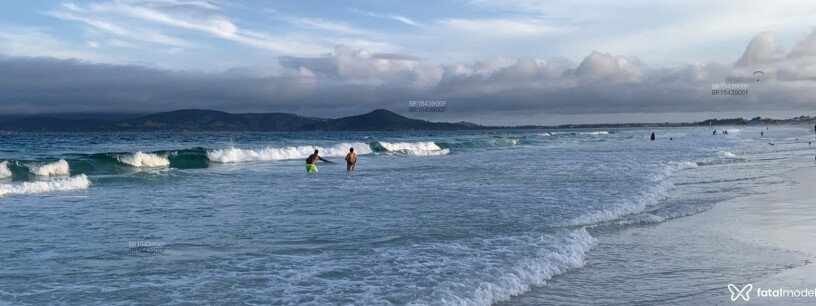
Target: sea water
(428, 218)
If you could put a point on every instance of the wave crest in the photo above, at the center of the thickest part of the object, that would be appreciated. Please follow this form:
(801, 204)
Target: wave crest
(638, 203)
(236, 155)
(59, 167)
(423, 148)
(145, 160)
(727, 154)
(4, 170)
(78, 182)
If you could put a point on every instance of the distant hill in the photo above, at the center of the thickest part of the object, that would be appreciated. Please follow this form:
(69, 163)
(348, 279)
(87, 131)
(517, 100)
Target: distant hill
(195, 120)
(209, 120)
(384, 120)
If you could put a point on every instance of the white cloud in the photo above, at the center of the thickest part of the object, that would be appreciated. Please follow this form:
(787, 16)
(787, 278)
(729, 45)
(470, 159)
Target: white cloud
(399, 18)
(117, 17)
(28, 41)
(504, 28)
(146, 35)
(762, 50)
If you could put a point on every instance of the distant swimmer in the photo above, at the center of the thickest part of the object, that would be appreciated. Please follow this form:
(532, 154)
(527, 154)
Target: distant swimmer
(671, 138)
(351, 160)
(770, 143)
(653, 136)
(715, 132)
(762, 134)
(312, 160)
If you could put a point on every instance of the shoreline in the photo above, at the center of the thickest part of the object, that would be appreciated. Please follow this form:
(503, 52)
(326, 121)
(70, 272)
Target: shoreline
(784, 220)
(693, 259)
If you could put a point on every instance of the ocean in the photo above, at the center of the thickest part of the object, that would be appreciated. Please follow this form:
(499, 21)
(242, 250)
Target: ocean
(429, 218)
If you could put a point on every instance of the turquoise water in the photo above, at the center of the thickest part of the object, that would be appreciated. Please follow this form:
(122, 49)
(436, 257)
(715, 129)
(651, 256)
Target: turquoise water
(428, 218)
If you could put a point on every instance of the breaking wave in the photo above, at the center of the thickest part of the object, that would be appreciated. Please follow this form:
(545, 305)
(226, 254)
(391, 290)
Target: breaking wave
(638, 203)
(424, 148)
(78, 182)
(480, 143)
(56, 168)
(727, 154)
(147, 160)
(236, 155)
(4, 170)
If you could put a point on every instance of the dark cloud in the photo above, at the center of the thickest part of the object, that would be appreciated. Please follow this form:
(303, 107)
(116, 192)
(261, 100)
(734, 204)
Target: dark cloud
(351, 81)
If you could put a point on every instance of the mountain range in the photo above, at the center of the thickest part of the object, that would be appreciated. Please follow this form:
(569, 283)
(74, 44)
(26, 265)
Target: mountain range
(210, 120)
(196, 120)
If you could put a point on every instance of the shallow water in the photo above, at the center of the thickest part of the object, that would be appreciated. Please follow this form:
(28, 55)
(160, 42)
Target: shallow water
(439, 218)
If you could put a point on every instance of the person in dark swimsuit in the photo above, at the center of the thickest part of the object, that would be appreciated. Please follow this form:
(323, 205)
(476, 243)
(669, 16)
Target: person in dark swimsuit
(351, 160)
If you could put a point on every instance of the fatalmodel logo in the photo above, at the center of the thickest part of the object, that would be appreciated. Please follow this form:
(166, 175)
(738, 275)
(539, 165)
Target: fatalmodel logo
(736, 292)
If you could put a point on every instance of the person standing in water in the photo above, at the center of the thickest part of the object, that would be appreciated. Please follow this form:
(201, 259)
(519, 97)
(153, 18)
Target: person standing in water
(653, 136)
(762, 134)
(351, 160)
(312, 160)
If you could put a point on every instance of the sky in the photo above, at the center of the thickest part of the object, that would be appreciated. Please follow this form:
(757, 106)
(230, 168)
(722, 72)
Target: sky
(506, 62)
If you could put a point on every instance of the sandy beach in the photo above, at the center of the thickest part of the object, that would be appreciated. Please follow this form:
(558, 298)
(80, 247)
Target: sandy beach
(764, 240)
(784, 220)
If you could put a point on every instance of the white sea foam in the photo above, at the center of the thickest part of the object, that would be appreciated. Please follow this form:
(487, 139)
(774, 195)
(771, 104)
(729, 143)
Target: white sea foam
(424, 148)
(628, 206)
(4, 170)
(727, 154)
(59, 167)
(78, 182)
(549, 255)
(595, 133)
(673, 167)
(145, 160)
(545, 134)
(638, 203)
(236, 155)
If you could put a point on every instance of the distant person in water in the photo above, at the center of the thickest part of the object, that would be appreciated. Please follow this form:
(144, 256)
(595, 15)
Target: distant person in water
(725, 132)
(351, 160)
(653, 136)
(715, 132)
(312, 160)
(762, 134)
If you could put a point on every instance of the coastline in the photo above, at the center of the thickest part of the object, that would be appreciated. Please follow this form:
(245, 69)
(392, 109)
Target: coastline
(764, 239)
(784, 220)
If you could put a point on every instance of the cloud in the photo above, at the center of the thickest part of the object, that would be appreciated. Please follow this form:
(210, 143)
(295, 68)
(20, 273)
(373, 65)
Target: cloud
(148, 21)
(146, 35)
(399, 18)
(612, 69)
(352, 80)
(504, 28)
(806, 48)
(760, 51)
(32, 41)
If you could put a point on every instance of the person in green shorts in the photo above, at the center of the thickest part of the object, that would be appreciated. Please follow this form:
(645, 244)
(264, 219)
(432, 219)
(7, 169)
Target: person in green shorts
(312, 160)
(351, 160)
